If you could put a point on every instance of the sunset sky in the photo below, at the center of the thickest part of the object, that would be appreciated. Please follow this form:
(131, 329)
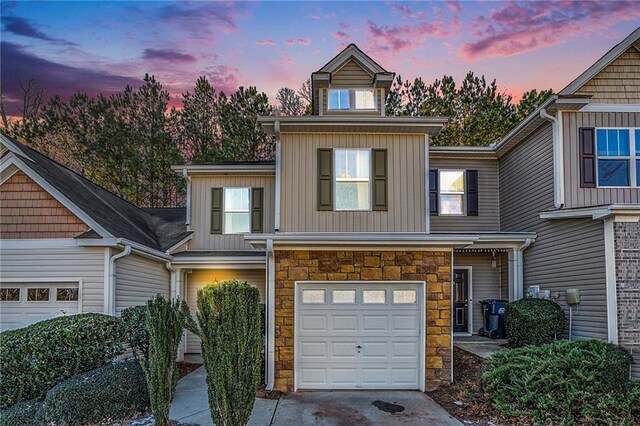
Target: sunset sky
(96, 46)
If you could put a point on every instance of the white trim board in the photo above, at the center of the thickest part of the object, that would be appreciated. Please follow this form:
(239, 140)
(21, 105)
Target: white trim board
(611, 284)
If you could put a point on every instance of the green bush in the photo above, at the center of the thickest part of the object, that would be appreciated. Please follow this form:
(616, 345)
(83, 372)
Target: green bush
(35, 358)
(165, 323)
(114, 391)
(534, 322)
(134, 319)
(230, 326)
(564, 382)
(25, 413)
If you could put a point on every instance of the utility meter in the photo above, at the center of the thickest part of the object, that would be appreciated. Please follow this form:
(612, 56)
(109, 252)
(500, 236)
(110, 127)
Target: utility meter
(573, 296)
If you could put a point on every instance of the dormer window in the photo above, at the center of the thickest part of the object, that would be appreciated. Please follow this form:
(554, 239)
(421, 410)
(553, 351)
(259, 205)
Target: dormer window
(352, 100)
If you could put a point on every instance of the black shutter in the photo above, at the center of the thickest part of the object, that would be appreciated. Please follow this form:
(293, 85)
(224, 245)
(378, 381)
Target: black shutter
(379, 167)
(587, 157)
(257, 215)
(433, 192)
(216, 210)
(472, 193)
(325, 179)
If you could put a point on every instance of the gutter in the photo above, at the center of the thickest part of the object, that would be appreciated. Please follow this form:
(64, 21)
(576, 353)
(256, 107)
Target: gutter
(519, 290)
(270, 320)
(558, 157)
(110, 290)
(185, 174)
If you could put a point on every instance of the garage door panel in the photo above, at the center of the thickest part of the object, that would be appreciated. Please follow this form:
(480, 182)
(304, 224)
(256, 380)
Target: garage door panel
(344, 323)
(375, 323)
(314, 323)
(311, 350)
(406, 322)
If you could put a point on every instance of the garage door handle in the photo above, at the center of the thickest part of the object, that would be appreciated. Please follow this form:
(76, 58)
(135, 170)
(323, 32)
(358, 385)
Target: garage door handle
(358, 347)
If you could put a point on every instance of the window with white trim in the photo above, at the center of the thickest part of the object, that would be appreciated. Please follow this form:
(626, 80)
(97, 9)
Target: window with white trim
(38, 294)
(618, 154)
(10, 294)
(351, 99)
(352, 179)
(451, 192)
(339, 99)
(365, 99)
(237, 210)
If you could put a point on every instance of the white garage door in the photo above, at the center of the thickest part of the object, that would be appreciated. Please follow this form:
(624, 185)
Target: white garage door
(22, 304)
(367, 336)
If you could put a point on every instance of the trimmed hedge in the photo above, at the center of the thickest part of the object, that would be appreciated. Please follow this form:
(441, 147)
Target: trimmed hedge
(564, 382)
(534, 322)
(37, 357)
(134, 319)
(25, 413)
(112, 392)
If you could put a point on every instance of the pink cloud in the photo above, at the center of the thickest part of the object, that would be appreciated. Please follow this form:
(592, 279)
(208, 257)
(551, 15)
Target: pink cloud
(304, 41)
(344, 26)
(395, 38)
(339, 35)
(455, 6)
(516, 28)
(406, 11)
(290, 42)
(268, 42)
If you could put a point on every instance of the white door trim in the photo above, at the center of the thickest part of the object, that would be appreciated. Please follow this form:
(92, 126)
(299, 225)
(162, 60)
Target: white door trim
(423, 322)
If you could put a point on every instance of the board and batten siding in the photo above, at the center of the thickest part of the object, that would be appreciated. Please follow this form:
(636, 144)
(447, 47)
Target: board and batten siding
(406, 184)
(618, 82)
(65, 263)
(201, 277)
(488, 219)
(568, 253)
(485, 282)
(139, 279)
(585, 197)
(201, 210)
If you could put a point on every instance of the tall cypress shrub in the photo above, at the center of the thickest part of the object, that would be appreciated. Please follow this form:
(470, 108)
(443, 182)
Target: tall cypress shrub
(165, 322)
(230, 326)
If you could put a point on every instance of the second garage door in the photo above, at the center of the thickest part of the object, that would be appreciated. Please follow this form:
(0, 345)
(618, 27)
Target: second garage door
(359, 336)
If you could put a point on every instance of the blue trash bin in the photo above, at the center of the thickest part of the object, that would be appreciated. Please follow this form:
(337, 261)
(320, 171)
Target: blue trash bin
(493, 318)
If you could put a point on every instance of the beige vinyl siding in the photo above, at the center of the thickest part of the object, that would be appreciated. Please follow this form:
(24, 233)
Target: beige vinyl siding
(139, 279)
(584, 197)
(201, 277)
(406, 184)
(618, 82)
(67, 263)
(488, 213)
(201, 210)
(567, 253)
(485, 282)
(351, 74)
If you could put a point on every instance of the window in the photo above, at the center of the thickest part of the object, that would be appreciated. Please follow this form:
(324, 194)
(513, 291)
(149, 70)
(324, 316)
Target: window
(365, 99)
(339, 99)
(344, 296)
(451, 192)
(237, 216)
(313, 296)
(9, 294)
(67, 294)
(374, 296)
(618, 157)
(404, 296)
(353, 183)
(37, 295)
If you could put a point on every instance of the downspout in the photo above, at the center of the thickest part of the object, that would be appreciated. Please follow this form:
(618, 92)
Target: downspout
(175, 292)
(519, 290)
(185, 174)
(558, 157)
(270, 316)
(111, 290)
(276, 225)
(173, 288)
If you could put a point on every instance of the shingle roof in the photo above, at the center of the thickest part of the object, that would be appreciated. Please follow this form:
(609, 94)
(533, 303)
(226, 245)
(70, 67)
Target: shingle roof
(119, 217)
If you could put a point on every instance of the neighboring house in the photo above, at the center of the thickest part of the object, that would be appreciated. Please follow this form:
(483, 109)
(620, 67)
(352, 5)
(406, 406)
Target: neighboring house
(69, 246)
(371, 248)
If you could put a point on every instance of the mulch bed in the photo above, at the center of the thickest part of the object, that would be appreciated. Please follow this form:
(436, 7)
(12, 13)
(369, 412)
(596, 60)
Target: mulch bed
(464, 398)
(185, 368)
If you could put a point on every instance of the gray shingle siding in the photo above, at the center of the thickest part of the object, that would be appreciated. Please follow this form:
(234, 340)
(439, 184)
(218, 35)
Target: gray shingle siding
(567, 253)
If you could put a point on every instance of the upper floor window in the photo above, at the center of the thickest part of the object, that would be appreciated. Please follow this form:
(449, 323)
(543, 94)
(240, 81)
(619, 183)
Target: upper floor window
(618, 153)
(352, 99)
(451, 192)
(352, 179)
(237, 213)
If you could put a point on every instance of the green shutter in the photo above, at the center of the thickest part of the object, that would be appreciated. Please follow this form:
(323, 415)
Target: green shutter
(325, 179)
(379, 168)
(216, 210)
(257, 215)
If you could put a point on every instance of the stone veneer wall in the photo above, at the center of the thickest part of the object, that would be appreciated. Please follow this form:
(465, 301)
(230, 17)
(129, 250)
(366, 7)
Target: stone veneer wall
(432, 267)
(627, 255)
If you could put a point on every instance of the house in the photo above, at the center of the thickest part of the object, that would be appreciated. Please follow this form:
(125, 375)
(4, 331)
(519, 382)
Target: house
(370, 247)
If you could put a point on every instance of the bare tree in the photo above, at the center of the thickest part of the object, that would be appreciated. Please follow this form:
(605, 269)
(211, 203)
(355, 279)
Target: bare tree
(289, 102)
(306, 91)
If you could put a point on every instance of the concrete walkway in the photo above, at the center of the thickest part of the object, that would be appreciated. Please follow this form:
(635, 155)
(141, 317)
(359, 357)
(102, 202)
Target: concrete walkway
(481, 346)
(191, 405)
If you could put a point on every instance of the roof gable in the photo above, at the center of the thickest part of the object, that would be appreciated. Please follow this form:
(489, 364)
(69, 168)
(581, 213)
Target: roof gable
(352, 52)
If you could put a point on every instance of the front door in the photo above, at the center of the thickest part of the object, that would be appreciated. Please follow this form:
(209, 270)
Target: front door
(461, 300)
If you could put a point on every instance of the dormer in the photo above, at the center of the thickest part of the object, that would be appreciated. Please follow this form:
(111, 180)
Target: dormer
(351, 84)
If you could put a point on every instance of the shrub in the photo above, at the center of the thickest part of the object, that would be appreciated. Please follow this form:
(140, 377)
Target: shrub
(134, 319)
(165, 322)
(113, 392)
(25, 413)
(230, 324)
(37, 357)
(534, 322)
(563, 382)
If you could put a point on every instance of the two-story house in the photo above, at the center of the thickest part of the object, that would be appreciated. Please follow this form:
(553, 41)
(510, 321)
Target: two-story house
(371, 248)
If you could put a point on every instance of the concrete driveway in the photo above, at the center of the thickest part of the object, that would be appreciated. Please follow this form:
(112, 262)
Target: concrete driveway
(350, 408)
